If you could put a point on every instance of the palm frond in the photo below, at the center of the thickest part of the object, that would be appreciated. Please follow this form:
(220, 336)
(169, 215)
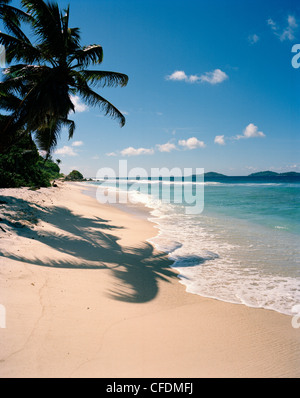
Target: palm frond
(47, 136)
(36, 91)
(12, 18)
(70, 124)
(19, 50)
(105, 78)
(92, 54)
(9, 102)
(94, 99)
(46, 24)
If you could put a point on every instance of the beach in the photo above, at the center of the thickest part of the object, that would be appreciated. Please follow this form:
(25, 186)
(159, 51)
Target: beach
(87, 295)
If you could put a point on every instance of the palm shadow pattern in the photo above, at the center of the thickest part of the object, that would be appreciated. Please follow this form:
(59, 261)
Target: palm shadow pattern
(90, 244)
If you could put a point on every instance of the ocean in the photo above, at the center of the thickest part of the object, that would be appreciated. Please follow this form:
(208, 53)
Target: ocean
(242, 248)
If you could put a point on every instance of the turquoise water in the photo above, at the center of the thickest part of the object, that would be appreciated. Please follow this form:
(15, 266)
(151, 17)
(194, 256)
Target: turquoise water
(272, 205)
(242, 248)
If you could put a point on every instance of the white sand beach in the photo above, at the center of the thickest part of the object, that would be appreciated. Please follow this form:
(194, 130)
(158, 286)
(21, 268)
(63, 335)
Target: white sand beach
(86, 295)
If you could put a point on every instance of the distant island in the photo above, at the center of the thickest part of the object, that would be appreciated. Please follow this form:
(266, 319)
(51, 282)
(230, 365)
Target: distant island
(212, 174)
(273, 174)
(261, 174)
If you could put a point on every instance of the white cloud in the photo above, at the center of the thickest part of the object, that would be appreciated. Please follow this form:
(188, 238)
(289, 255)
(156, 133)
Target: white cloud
(79, 106)
(168, 147)
(66, 151)
(191, 143)
(214, 77)
(271, 23)
(253, 38)
(125, 113)
(251, 168)
(193, 78)
(284, 34)
(219, 139)
(111, 154)
(289, 31)
(178, 75)
(77, 143)
(251, 131)
(136, 151)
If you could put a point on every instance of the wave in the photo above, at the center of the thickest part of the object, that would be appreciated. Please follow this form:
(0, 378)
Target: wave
(226, 259)
(213, 263)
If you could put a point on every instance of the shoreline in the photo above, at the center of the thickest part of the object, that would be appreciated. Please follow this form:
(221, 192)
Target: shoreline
(87, 296)
(145, 212)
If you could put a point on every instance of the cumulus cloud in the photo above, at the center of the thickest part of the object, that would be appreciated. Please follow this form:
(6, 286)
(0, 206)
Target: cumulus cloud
(77, 143)
(168, 147)
(79, 106)
(288, 33)
(66, 151)
(219, 139)
(191, 143)
(215, 77)
(136, 151)
(253, 38)
(251, 131)
(178, 75)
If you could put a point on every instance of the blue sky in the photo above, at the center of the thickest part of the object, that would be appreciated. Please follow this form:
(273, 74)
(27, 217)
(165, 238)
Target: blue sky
(211, 85)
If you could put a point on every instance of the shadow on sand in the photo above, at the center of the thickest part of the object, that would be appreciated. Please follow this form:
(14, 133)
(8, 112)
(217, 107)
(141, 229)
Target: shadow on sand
(92, 245)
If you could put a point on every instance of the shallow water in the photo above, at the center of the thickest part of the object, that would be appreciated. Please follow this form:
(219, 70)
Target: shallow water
(243, 248)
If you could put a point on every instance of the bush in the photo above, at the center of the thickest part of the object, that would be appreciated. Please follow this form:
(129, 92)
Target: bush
(22, 166)
(75, 176)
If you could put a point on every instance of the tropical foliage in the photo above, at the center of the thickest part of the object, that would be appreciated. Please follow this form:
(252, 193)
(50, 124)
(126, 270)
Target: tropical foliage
(45, 71)
(74, 176)
(22, 166)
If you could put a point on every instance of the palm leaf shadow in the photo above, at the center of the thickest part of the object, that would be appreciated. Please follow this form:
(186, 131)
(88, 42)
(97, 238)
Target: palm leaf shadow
(91, 244)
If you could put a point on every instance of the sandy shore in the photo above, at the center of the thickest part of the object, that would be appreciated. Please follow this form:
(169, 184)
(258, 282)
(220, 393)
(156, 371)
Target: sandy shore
(86, 296)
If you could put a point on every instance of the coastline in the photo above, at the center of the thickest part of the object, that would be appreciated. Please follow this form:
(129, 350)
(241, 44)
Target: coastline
(86, 295)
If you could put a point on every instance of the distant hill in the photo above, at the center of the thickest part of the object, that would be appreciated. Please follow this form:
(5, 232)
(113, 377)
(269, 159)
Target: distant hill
(262, 174)
(212, 174)
(273, 174)
(290, 174)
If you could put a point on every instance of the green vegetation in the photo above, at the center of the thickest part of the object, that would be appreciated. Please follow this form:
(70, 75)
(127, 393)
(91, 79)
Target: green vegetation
(22, 166)
(264, 174)
(36, 90)
(212, 174)
(274, 174)
(75, 176)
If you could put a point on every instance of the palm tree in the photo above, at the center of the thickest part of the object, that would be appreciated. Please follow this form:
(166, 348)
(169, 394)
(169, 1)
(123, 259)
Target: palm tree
(48, 72)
